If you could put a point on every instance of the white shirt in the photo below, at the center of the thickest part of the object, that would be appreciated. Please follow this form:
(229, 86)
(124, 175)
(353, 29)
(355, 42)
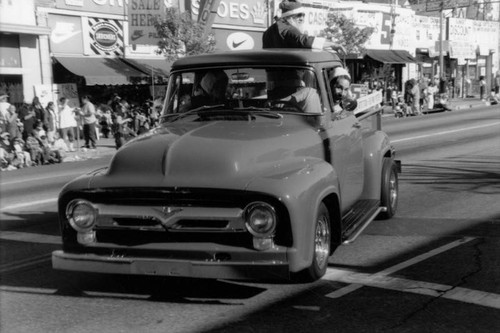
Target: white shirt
(66, 117)
(4, 112)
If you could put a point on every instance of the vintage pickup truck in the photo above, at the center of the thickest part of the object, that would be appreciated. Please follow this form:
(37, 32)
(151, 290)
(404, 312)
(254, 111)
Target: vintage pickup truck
(239, 181)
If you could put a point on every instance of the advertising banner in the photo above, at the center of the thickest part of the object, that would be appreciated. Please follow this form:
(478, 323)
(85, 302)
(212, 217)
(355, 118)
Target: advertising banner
(437, 5)
(67, 90)
(426, 31)
(359, 90)
(141, 15)
(44, 94)
(51, 93)
(103, 37)
(242, 15)
(230, 40)
(97, 6)
(66, 36)
(207, 13)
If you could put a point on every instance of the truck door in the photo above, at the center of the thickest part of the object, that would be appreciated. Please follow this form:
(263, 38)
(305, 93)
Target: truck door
(345, 146)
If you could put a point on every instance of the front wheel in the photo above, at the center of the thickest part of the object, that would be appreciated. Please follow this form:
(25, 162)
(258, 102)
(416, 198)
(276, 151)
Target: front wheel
(390, 189)
(321, 247)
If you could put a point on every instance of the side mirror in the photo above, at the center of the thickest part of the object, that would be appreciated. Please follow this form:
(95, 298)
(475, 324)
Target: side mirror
(349, 104)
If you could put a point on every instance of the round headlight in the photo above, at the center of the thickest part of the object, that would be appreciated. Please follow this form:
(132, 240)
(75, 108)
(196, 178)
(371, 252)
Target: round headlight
(260, 219)
(81, 214)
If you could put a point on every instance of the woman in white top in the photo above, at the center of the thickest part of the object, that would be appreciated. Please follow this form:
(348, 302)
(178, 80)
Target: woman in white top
(430, 92)
(67, 122)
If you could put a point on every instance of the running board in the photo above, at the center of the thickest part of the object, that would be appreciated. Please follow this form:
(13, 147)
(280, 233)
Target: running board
(360, 219)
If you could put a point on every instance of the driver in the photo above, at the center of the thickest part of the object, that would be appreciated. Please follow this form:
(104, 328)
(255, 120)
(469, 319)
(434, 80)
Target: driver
(306, 98)
(210, 91)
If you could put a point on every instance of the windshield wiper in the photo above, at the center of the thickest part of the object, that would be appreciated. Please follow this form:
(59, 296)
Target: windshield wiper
(177, 116)
(264, 112)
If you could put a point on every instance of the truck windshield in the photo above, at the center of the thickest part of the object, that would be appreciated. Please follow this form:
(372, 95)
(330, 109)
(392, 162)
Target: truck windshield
(279, 89)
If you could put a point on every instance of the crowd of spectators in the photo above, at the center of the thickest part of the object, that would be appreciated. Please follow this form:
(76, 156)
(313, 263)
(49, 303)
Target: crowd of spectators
(33, 134)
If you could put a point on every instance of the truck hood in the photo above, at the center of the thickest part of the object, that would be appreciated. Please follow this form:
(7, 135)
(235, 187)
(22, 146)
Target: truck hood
(219, 154)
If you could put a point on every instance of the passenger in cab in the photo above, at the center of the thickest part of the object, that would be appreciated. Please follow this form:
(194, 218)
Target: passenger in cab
(340, 84)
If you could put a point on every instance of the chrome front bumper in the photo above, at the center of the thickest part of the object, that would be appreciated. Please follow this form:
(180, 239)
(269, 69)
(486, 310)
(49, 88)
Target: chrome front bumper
(169, 267)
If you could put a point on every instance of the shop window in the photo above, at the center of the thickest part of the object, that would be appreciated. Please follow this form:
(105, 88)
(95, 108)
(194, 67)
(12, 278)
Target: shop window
(10, 55)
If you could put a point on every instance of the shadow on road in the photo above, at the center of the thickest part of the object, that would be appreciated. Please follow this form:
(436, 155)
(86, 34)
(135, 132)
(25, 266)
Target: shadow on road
(479, 175)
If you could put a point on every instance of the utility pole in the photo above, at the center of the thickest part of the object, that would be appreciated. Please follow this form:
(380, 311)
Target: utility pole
(441, 44)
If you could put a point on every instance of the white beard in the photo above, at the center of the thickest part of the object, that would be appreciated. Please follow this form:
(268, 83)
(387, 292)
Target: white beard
(299, 26)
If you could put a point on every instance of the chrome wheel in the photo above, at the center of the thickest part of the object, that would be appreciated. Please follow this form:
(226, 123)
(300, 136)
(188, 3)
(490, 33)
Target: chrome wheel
(389, 184)
(393, 189)
(322, 241)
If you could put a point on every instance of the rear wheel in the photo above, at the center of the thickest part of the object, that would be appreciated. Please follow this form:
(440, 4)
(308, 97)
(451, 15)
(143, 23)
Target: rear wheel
(390, 189)
(321, 247)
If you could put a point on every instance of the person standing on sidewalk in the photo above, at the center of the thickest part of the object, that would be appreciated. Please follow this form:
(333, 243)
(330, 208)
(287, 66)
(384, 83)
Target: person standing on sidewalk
(497, 83)
(51, 121)
(482, 87)
(67, 123)
(88, 113)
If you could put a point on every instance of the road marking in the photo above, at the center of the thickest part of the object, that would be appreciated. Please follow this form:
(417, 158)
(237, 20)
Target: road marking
(23, 263)
(35, 179)
(30, 237)
(335, 275)
(28, 204)
(426, 288)
(444, 132)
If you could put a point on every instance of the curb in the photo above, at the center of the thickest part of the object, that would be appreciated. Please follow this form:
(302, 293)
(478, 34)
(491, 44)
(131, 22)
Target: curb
(470, 106)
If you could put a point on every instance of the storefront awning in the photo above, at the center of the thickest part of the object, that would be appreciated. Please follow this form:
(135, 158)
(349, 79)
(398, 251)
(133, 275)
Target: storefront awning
(153, 67)
(101, 71)
(391, 56)
(24, 29)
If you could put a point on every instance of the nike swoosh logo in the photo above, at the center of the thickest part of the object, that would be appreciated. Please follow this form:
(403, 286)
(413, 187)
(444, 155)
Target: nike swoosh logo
(58, 37)
(235, 45)
(136, 35)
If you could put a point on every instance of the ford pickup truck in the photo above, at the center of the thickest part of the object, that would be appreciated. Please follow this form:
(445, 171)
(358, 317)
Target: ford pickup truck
(253, 173)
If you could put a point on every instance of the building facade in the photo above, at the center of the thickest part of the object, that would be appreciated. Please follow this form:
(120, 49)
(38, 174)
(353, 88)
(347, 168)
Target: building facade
(24, 51)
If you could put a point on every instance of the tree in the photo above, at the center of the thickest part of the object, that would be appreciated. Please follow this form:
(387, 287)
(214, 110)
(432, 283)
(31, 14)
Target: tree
(344, 32)
(180, 35)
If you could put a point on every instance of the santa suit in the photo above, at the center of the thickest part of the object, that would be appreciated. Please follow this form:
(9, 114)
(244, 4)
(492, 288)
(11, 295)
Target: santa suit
(284, 35)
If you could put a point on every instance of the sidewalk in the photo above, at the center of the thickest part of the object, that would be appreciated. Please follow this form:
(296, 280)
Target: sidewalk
(105, 147)
(453, 103)
(466, 103)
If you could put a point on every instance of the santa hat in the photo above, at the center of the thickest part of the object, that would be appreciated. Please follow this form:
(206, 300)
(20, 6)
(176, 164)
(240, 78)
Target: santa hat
(340, 71)
(291, 7)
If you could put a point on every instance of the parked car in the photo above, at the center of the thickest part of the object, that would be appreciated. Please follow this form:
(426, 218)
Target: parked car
(253, 181)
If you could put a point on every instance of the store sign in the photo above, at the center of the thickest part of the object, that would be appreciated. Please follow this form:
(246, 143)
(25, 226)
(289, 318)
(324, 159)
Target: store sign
(66, 36)
(17, 12)
(250, 13)
(462, 50)
(104, 37)
(483, 35)
(231, 40)
(240, 41)
(426, 30)
(97, 6)
(141, 17)
(437, 5)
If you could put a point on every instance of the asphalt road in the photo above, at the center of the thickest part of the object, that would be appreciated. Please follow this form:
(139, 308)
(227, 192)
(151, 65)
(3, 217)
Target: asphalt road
(433, 268)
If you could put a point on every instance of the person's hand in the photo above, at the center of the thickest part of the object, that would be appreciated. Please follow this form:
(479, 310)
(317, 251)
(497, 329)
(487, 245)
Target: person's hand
(334, 47)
